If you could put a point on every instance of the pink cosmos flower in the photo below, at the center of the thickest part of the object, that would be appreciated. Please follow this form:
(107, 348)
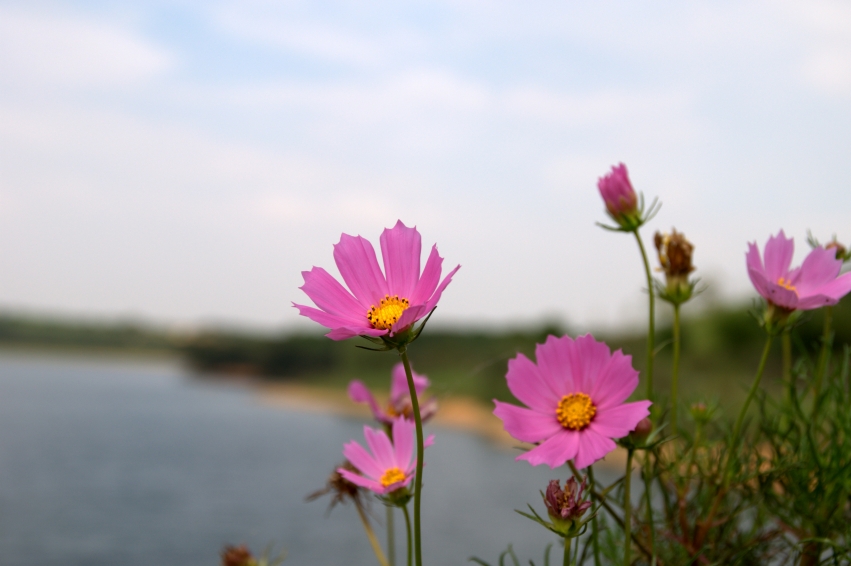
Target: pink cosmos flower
(400, 398)
(391, 464)
(375, 303)
(617, 193)
(815, 284)
(575, 394)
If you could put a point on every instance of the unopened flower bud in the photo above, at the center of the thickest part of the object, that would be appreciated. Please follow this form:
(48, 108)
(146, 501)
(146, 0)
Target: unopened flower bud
(620, 198)
(566, 506)
(675, 254)
(840, 250)
(237, 556)
(699, 412)
(642, 431)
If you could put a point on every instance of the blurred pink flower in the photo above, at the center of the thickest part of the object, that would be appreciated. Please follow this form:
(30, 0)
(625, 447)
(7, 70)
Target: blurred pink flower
(375, 303)
(575, 394)
(618, 194)
(391, 465)
(400, 398)
(815, 284)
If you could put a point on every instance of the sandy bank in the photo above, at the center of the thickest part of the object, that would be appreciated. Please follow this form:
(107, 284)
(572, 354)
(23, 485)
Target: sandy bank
(458, 413)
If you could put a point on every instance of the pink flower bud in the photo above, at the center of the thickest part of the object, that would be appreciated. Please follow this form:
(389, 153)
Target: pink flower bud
(618, 194)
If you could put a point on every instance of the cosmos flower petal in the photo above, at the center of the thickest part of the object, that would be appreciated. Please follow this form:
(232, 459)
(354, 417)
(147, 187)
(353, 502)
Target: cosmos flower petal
(527, 384)
(527, 425)
(381, 447)
(331, 320)
(345, 332)
(555, 359)
(555, 451)
(820, 267)
(589, 357)
(778, 256)
(359, 393)
(592, 447)
(615, 382)
(432, 302)
(330, 296)
(753, 259)
(759, 281)
(361, 481)
(399, 383)
(410, 316)
(403, 441)
(401, 248)
(358, 265)
(782, 296)
(618, 421)
(362, 460)
(429, 279)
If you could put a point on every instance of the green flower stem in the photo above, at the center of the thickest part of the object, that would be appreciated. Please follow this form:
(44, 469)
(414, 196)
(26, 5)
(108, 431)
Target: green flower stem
(627, 509)
(737, 431)
(786, 351)
(648, 479)
(376, 546)
(821, 369)
(566, 561)
(595, 528)
(408, 528)
(675, 369)
(418, 481)
(651, 330)
(391, 537)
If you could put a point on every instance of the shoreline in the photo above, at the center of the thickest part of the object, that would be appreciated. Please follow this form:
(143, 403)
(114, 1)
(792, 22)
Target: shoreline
(454, 413)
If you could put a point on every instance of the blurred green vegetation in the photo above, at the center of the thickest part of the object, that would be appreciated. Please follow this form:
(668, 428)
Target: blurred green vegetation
(720, 351)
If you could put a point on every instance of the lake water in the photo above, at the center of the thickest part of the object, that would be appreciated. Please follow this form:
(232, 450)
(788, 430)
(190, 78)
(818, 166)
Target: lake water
(121, 463)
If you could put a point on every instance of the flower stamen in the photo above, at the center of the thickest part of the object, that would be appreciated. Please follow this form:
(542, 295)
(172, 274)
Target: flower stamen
(787, 284)
(575, 411)
(391, 476)
(388, 311)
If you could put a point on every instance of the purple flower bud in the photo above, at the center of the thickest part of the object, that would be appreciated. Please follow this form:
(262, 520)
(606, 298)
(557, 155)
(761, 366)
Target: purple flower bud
(618, 194)
(566, 504)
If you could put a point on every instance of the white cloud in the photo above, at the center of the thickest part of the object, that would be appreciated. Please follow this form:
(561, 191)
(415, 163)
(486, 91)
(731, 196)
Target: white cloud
(62, 50)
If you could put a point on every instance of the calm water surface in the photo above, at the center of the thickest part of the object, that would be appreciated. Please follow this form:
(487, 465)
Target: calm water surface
(139, 464)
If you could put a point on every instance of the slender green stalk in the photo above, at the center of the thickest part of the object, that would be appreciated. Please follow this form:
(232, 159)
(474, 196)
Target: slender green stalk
(737, 430)
(595, 528)
(786, 352)
(376, 546)
(408, 528)
(627, 509)
(418, 481)
(821, 370)
(675, 369)
(566, 561)
(648, 479)
(391, 537)
(651, 325)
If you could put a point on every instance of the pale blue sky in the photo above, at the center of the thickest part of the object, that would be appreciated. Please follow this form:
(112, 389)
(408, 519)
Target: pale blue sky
(182, 162)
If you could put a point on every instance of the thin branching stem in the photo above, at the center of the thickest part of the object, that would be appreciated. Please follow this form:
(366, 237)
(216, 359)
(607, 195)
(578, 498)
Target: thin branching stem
(418, 481)
(675, 369)
(824, 356)
(627, 509)
(651, 322)
(391, 537)
(408, 529)
(370, 534)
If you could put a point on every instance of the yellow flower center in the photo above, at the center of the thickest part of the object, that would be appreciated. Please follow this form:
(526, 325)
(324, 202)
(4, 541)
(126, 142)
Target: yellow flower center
(787, 284)
(391, 476)
(388, 311)
(575, 411)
